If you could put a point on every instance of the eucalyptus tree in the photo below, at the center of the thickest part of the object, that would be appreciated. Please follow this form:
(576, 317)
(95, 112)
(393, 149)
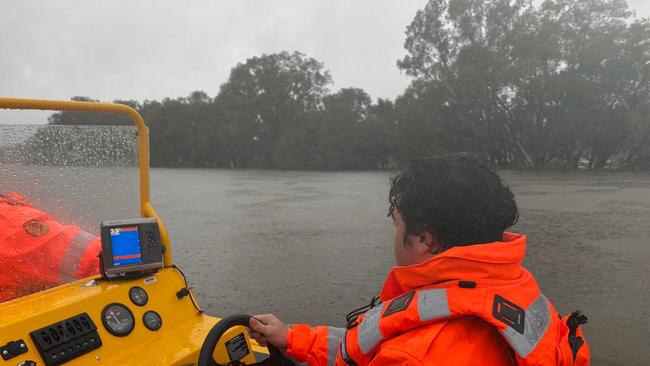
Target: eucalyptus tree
(268, 104)
(534, 86)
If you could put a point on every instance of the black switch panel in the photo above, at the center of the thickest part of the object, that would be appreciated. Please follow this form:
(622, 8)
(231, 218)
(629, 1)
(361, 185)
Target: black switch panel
(67, 339)
(13, 349)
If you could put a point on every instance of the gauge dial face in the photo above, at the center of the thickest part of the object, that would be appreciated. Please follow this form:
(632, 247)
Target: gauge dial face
(152, 320)
(138, 296)
(118, 319)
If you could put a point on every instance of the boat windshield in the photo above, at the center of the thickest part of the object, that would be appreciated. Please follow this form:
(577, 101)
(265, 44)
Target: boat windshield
(57, 183)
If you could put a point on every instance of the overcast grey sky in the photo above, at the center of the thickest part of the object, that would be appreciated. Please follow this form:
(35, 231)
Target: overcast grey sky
(151, 49)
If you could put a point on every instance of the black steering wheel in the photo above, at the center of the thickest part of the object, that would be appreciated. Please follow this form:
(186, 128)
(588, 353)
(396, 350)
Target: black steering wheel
(210, 343)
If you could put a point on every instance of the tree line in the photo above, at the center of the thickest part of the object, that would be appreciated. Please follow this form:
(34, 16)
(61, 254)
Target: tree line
(564, 84)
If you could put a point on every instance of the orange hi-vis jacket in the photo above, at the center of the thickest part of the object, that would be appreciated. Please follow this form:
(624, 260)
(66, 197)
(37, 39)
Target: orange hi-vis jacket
(470, 305)
(37, 252)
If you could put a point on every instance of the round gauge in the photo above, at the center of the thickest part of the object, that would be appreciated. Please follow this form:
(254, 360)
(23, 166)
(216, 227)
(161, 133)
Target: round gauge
(138, 296)
(118, 319)
(152, 320)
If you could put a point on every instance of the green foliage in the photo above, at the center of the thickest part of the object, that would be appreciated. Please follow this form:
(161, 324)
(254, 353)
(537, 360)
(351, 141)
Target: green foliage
(564, 84)
(273, 112)
(268, 105)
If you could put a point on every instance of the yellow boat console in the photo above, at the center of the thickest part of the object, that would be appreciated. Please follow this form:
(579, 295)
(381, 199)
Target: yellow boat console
(143, 316)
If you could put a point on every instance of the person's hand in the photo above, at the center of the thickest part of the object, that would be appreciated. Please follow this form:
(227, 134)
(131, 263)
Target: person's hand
(268, 329)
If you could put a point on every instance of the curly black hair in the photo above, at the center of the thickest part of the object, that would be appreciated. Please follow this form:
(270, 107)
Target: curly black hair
(456, 197)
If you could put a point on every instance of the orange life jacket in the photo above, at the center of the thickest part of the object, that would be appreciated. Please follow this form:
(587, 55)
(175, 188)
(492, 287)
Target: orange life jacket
(524, 317)
(37, 252)
(469, 305)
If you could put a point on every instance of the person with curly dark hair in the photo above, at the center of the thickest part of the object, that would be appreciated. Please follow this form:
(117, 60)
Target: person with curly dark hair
(458, 295)
(456, 199)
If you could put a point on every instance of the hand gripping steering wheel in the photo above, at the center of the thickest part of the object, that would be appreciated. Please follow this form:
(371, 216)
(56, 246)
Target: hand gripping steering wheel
(210, 343)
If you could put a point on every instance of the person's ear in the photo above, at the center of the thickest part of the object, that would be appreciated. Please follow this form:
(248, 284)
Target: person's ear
(427, 241)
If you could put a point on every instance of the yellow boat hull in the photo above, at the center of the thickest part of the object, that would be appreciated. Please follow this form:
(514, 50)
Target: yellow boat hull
(177, 342)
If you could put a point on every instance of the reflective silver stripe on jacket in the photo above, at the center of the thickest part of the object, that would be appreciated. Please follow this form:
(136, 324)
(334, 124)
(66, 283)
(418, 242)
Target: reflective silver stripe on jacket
(369, 333)
(538, 318)
(433, 304)
(344, 350)
(72, 256)
(334, 339)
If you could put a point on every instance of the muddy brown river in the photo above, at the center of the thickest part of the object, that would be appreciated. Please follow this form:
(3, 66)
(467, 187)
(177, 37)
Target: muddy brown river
(312, 246)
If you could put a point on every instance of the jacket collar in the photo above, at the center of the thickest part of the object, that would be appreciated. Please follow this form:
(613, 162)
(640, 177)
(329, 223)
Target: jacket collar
(499, 260)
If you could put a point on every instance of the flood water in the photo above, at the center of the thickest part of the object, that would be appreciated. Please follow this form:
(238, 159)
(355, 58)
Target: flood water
(311, 246)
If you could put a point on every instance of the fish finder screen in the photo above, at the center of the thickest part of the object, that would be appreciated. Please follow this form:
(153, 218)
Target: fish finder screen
(125, 242)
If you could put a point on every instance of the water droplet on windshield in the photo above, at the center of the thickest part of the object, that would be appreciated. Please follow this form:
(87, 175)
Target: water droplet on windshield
(77, 175)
